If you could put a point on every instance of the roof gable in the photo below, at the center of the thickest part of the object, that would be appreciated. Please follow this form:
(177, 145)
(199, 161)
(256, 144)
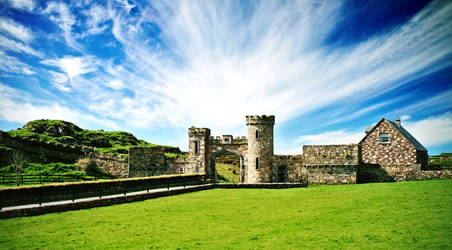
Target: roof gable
(402, 131)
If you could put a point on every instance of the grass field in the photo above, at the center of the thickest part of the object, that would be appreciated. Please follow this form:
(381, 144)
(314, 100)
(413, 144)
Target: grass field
(413, 214)
(228, 173)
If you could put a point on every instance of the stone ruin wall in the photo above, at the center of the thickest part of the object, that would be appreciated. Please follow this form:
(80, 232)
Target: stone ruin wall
(331, 164)
(295, 171)
(397, 151)
(144, 161)
(115, 165)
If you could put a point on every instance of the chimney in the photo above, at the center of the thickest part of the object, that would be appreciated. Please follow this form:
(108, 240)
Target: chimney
(398, 122)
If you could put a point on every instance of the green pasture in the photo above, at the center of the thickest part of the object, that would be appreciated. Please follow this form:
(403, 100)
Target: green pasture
(402, 215)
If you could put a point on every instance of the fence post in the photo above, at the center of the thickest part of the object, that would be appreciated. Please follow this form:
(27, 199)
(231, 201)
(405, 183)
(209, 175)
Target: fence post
(168, 184)
(100, 191)
(124, 188)
(40, 199)
(22, 178)
(73, 193)
(40, 180)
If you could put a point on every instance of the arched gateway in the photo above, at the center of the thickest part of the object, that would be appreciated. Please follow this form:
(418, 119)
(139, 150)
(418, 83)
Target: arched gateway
(223, 151)
(255, 153)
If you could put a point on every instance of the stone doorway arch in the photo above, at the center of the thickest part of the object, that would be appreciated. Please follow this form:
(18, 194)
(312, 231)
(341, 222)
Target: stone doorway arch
(222, 151)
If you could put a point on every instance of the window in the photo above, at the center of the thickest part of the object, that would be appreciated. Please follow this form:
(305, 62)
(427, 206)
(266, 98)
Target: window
(257, 134)
(196, 147)
(257, 163)
(384, 138)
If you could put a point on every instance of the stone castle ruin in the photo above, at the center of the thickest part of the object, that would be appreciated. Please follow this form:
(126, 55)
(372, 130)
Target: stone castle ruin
(319, 164)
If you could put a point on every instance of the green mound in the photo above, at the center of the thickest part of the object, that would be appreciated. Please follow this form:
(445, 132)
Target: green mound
(57, 131)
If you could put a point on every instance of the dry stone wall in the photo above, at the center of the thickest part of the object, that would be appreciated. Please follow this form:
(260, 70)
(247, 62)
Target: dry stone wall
(331, 174)
(331, 164)
(145, 161)
(112, 164)
(295, 171)
(398, 172)
(349, 154)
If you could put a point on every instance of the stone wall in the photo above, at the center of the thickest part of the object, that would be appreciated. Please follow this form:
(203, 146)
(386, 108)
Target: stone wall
(145, 161)
(331, 174)
(398, 172)
(294, 169)
(349, 154)
(112, 164)
(331, 164)
(397, 151)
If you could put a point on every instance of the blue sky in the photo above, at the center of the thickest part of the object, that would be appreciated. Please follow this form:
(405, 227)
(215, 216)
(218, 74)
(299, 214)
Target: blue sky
(325, 69)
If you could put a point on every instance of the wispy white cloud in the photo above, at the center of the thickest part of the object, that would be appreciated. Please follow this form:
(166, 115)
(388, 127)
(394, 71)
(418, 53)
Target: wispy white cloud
(19, 47)
(60, 14)
(12, 65)
(59, 81)
(222, 64)
(16, 108)
(18, 31)
(27, 5)
(72, 66)
(433, 131)
(96, 17)
(332, 137)
(115, 84)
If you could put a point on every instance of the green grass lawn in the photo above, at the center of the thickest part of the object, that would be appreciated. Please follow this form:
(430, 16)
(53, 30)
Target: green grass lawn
(227, 174)
(413, 214)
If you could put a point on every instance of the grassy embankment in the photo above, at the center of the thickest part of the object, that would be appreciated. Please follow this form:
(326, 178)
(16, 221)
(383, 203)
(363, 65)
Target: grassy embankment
(379, 215)
(64, 133)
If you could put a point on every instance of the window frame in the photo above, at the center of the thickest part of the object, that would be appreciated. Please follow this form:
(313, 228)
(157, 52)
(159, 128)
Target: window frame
(384, 135)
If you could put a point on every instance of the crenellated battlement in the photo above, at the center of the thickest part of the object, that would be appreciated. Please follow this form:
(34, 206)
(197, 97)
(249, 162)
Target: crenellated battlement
(259, 119)
(198, 131)
(228, 139)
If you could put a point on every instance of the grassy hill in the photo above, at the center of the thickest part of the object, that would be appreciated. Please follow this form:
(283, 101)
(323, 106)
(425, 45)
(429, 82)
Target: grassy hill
(63, 135)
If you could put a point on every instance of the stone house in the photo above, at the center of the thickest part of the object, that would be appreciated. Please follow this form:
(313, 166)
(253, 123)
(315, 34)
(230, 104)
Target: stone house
(389, 143)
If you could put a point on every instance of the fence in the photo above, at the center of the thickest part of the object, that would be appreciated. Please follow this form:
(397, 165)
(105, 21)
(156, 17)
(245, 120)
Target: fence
(73, 191)
(41, 179)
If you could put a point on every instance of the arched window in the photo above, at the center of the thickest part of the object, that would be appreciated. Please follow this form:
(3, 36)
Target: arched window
(257, 163)
(257, 134)
(196, 147)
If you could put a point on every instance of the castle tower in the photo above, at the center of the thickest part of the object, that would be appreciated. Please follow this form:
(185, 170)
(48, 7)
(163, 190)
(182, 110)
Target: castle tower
(260, 148)
(197, 146)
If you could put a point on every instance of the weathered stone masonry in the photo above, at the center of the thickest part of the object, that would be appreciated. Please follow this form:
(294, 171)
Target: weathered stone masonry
(331, 164)
(399, 158)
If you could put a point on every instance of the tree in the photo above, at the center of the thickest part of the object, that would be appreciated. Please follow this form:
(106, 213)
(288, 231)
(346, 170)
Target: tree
(18, 162)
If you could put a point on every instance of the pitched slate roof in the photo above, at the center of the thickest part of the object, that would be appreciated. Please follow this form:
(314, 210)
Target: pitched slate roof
(402, 131)
(408, 136)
